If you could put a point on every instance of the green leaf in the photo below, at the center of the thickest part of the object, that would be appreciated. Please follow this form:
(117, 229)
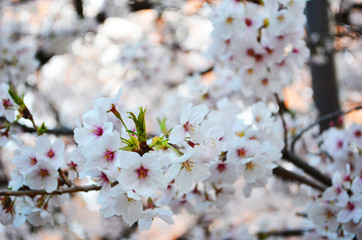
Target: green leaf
(42, 129)
(162, 125)
(140, 124)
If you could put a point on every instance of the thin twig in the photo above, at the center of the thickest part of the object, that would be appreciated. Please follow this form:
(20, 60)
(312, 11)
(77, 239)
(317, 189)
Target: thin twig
(324, 118)
(302, 214)
(280, 104)
(65, 178)
(288, 175)
(33, 123)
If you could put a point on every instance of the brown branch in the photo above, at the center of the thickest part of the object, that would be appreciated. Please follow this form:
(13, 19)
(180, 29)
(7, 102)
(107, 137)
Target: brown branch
(55, 131)
(299, 162)
(319, 120)
(73, 189)
(208, 70)
(288, 175)
(282, 233)
(78, 5)
(33, 193)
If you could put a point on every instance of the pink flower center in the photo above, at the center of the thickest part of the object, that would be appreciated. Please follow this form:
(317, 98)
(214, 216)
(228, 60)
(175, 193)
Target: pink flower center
(248, 22)
(268, 50)
(50, 153)
(98, 131)
(33, 160)
(264, 81)
(350, 206)
(189, 127)
(258, 57)
(44, 173)
(6, 103)
(250, 52)
(142, 172)
(72, 166)
(358, 133)
(109, 156)
(340, 144)
(347, 178)
(103, 178)
(221, 167)
(241, 152)
(295, 50)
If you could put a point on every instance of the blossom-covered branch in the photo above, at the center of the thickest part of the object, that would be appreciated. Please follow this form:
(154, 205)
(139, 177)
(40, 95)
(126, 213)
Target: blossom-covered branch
(33, 193)
(324, 118)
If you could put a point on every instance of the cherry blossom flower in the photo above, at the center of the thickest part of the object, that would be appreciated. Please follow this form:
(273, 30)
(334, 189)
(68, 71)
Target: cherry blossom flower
(190, 120)
(128, 205)
(351, 211)
(104, 153)
(142, 174)
(324, 218)
(25, 159)
(355, 134)
(335, 143)
(95, 124)
(7, 105)
(103, 178)
(188, 169)
(50, 152)
(336, 192)
(23, 207)
(222, 172)
(43, 176)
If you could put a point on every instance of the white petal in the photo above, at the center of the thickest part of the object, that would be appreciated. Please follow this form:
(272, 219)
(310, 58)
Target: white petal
(129, 159)
(50, 184)
(132, 212)
(177, 135)
(173, 171)
(186, 113)
(198, 113)
(184, 181)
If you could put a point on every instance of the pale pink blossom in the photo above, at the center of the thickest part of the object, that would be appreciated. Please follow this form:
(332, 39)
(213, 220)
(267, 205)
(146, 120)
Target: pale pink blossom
(190, 120)
(188, 169)
(141, 174)
(50, 152)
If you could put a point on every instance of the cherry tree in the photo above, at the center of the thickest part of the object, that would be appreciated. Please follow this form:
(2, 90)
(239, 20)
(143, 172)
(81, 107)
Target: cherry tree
(186, 111)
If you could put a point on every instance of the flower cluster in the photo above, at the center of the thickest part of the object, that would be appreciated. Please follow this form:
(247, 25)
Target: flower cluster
(17, 60)
(260, 42)
(141, 178)
(37, 167)
(8, 110)
(337, 213)
(208, 155)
